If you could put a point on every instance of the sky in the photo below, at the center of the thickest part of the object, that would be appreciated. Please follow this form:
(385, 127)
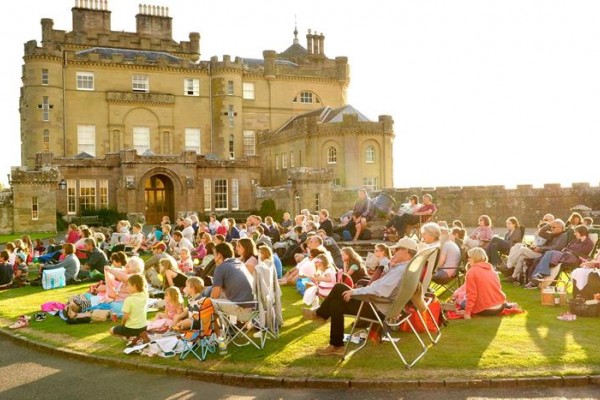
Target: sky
(481, 92)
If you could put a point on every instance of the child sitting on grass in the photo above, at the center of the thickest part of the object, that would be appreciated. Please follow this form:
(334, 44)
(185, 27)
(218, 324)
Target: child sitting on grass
(6, 271)
(134, 309)
(21, 270)
(193, 290)
(173, 308)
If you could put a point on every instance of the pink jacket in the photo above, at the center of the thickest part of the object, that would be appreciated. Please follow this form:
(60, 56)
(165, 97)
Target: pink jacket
(483, 288)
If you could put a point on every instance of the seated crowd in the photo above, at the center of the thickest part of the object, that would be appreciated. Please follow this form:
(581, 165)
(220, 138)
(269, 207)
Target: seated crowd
(220, 259)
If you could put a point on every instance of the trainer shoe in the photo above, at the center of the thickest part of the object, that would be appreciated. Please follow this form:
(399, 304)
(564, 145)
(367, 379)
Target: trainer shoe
(330, 351)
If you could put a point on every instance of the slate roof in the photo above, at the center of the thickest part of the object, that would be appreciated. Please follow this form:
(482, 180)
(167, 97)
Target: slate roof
(106, 52)
(327, 115)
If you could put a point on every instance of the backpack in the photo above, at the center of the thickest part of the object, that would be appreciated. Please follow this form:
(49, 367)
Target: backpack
(204, 316)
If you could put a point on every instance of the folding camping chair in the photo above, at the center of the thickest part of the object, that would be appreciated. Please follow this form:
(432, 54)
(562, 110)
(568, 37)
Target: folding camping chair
(237, 329)
(202, 340)
(408, 288)
(565, 270)
(429, 297)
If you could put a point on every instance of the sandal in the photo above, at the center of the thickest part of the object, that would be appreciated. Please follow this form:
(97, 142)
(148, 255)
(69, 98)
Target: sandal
(39, 317)
(21, 323)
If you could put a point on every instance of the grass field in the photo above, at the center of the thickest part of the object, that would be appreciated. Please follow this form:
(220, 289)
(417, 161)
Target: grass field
(534, 343)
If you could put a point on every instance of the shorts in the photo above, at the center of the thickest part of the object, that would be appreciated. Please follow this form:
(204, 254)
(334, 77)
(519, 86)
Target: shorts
(128, 332)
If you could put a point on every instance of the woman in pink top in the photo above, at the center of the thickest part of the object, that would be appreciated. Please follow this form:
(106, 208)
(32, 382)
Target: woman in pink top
(482, 235)
(483, 288)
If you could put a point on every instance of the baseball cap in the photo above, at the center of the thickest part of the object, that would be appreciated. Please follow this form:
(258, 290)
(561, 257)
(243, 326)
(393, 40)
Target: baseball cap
(407, 243)
(22, 256)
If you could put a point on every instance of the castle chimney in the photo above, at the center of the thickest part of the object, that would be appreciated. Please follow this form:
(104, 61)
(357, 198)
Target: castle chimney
(91, 16)
(154, 21)
(309, 42)
(322, 44)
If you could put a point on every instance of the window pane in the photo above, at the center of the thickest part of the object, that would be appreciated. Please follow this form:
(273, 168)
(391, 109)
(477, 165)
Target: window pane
(141, 139)
(221, 194)
(45, 79)
(46, 141)
(230, 87)
(292, 163)
(306, 97)
(284, 161)
(231, 148)
(249, 143)
(332, 155)
(85, 81)
(34, 208)
(103, 193)
(87, 194)
(140, 83)
(86, 139)
(71, 196)
(248, 88)
(192, 140)
(370, 154)
(45, 109)
(207, 195)
(235, 201)
(191, 87)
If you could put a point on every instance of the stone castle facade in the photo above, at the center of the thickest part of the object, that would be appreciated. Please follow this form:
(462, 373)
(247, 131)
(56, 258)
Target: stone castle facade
(138, 122)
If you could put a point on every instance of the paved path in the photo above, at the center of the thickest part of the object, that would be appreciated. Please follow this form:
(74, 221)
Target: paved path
(27, 374)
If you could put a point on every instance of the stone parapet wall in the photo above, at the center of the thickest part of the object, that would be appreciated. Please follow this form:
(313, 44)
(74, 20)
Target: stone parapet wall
(466, 203)
(525, 202)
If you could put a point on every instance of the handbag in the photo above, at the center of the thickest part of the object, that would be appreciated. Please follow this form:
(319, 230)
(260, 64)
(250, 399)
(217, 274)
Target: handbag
(53, 278)
(100, 315)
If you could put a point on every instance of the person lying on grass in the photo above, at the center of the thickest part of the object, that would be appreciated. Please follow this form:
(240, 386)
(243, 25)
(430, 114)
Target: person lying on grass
(134, 309)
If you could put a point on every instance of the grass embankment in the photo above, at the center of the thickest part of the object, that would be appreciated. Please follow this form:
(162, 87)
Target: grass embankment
(531, 344)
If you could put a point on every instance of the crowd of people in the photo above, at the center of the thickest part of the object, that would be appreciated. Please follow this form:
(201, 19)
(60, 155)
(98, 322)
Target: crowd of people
(219, 259)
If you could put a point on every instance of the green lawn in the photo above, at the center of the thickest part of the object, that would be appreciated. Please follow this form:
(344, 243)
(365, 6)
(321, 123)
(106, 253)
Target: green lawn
(531, 344)
(9, 238)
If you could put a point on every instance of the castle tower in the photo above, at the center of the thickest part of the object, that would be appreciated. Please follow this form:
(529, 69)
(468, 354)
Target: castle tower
(226, 88)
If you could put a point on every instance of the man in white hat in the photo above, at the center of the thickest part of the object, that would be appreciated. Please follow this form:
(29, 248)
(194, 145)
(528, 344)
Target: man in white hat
(340, 301)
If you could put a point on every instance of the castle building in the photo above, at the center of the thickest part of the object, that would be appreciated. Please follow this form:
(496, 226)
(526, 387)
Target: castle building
(137, 122)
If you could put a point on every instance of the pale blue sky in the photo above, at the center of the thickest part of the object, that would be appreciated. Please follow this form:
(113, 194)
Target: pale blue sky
(481, 92)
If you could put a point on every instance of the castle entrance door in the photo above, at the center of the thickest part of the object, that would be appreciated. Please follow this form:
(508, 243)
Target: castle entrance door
(159, 198)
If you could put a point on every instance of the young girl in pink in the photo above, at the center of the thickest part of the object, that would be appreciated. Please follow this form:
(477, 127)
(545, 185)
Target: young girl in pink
(173, 307)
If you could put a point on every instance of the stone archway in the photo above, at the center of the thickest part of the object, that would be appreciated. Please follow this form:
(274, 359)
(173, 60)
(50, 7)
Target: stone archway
(158, 198)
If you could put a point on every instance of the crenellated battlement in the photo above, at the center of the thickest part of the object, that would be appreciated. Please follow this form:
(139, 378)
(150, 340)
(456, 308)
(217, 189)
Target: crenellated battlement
(92, 28)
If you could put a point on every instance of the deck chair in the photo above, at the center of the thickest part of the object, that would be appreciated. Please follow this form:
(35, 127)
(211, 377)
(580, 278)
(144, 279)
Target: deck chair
(408, 288)
(565, 270)
(238, 330)
(428, 296)
(202, 340)
(415, 229)
(449, 286)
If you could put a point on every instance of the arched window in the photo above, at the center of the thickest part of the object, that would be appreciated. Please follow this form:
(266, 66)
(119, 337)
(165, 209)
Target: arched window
(307, 97)
(332, 155)
(370, 155)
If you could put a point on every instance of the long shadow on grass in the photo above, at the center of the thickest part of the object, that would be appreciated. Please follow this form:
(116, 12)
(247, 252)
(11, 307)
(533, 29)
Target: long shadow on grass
(462, 346)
